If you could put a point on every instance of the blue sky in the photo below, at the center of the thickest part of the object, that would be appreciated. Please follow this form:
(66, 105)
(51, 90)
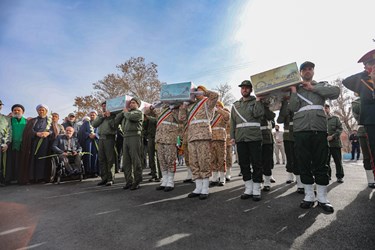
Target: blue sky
(52, 51)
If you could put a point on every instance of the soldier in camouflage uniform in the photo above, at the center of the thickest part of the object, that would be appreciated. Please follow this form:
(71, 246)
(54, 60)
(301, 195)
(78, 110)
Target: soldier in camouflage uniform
(310, 134)
(107, 132)
(245, 132)
(334, 133)
(218, 144)
(167, 129)
(198, 116)
(286, 117)
(365, 146)
(267, 146)
(131, 120)
(185, 145)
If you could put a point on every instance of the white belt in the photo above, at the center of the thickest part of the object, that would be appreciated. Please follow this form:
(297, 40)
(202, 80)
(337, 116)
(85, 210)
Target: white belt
(248, 124)
(290, 123)
(218, 128)
(265, 127)
(286, 130)
(199, 121)
(360, 126)
(310, 107)
(169, 123)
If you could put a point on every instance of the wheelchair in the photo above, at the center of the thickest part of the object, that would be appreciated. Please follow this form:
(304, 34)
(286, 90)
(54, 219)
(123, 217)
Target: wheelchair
(60, 172)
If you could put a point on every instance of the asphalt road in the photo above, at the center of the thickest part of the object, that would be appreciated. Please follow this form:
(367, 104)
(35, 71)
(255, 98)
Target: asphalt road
(81, 215)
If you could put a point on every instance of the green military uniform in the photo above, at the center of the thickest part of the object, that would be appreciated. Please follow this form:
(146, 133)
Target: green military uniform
(310, 131)
(107, 132)
(151, 132)
(335, 130)
(132, 125)
(5, 140)
(267, 146)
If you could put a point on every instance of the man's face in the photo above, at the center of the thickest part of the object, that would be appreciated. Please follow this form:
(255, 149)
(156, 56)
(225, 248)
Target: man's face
(133, 105)
(327, 110)
(370, 66)
(55, 118)
(17, 112)
(71, 118)
(307, 73)
(69, 132)
(104, 107)
(277, 127)
(92, 116)
(245, 91)
(42, 112)
(1, 107)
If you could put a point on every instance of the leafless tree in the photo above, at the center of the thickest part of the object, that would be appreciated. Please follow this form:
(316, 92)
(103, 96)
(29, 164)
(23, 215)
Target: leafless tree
(226, 96)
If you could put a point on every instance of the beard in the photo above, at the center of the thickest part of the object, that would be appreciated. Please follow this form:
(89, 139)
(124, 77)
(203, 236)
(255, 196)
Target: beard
(18, 116)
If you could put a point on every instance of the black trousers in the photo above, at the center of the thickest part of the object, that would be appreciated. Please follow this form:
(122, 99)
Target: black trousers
(365, 147)
(356, 149)
(267, 159)
(291, 166)
(311, 148)
(370, 130)
(250, 153)
(337, 158)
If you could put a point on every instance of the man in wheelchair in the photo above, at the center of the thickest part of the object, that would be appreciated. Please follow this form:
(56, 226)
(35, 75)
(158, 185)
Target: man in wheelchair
(68, 148)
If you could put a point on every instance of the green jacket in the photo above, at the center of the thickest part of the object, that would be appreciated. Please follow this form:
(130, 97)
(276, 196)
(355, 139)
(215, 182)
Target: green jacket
(286, 117)
(356, 109)
(335, 129)
(151, 128)
(252, 112)
(131, 122)
(106, 125)
(313, 119)
(266, 126)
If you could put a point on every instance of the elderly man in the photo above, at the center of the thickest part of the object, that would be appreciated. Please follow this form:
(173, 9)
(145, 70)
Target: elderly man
(5, 140)
(88, 138)
(105, 122)
(58, 129)
(131, 120)
(38, 133)
(310, 134)
(71, 121)
(68, 149)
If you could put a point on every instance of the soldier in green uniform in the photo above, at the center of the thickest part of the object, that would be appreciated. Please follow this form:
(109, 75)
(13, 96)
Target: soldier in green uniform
(365, 146)
(286, 117)
(5, 140)
(310, 134)
(334, 133)
(151, 149)
(107, 132)
(131, 120)
(267, 146)
(245, 131)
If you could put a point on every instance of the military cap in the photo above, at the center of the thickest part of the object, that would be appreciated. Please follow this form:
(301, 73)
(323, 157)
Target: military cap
(306, 64)
(246, 83)
(137, 100)
(369, 56)
(71, 115)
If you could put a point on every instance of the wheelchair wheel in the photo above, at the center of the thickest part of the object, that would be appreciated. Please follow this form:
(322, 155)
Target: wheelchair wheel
(81, 177)
(58, 179)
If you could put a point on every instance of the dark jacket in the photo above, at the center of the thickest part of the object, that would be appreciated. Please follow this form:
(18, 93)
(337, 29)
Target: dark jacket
(360, 83)
(60, 145)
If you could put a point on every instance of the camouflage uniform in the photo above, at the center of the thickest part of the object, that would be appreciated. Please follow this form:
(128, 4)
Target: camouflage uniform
(167, 129)
(218, 145)
(199, 138)
(5, 140)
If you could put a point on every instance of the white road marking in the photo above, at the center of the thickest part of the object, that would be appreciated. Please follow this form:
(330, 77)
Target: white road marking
(13, 230)
(32, 246)
(107, 212)
(170, 239)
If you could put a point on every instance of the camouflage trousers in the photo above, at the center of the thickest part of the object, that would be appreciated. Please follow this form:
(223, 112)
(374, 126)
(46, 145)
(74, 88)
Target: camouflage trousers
(229, 160)
(199, 158)
(218, 156)
(186, 152)
(167, 154)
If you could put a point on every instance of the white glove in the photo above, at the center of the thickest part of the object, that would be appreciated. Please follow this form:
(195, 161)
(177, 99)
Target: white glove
(186, 103)
(171, 107)
(215, 109)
